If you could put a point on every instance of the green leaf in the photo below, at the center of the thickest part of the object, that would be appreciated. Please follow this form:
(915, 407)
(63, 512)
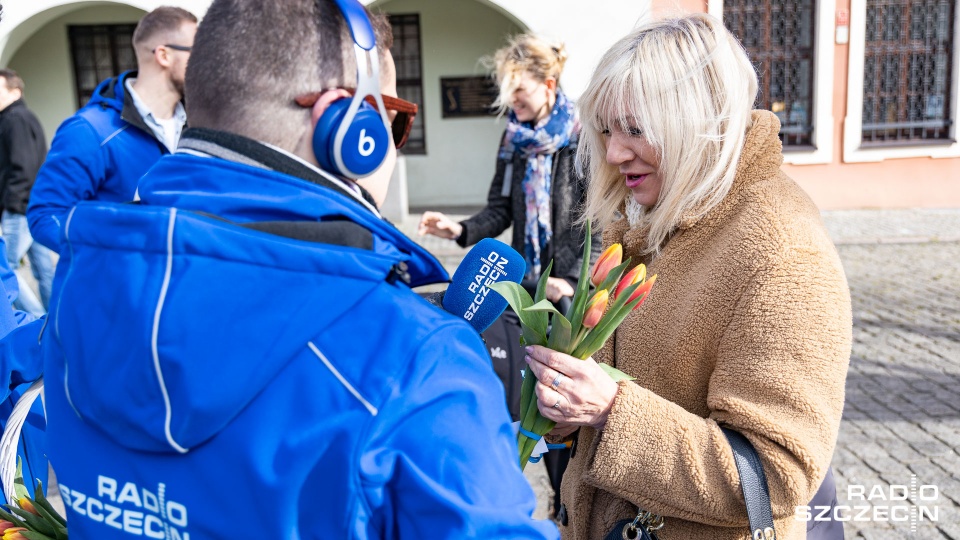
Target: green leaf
(34, 535)
(615, 373)
(560, 338)
(528, 400)
(542, 284)
(40, 500)
(582, 295)
(528, 416)
(33, 522)
(534, 325)
(19, 488)
(10, 517)
(514, 294)
(544, 306)
(53, 519)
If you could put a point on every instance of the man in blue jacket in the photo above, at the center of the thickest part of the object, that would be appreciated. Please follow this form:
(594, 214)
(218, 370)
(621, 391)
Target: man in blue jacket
(132, 120)
(241, 353)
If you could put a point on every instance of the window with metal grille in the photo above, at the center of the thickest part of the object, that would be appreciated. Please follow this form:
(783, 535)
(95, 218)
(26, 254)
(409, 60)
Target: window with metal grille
(406, 55)
(906, 71)
(99, 52)
(778, 37)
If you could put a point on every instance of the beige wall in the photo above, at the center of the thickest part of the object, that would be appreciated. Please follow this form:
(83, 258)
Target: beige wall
(43, 61)
(461, 152)
(892, 183)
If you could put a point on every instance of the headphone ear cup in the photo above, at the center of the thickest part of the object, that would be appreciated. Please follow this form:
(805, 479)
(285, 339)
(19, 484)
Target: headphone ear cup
(325, 132)
(364, 144)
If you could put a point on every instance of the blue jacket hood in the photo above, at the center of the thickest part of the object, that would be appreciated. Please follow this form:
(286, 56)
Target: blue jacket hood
(112, 92)
(133, 372)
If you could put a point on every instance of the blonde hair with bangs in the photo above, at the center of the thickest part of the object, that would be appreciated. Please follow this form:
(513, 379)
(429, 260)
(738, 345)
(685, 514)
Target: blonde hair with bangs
(688, 85)
(525, 53)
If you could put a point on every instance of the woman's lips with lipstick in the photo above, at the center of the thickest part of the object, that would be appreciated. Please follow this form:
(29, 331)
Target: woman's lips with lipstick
(634, 180)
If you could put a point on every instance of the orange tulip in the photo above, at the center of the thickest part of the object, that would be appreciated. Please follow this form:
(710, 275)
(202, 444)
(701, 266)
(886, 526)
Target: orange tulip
(13, 533)
(610, 259)
(595, 308)
(27, 505)
(642, 290)
(635, 275)
(4, 525)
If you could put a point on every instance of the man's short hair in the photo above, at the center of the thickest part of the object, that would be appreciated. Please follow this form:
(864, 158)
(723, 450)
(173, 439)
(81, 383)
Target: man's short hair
(163, 20)
(252, 58)
(11, 79)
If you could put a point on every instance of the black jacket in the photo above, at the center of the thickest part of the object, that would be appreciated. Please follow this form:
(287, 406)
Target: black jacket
(506, 206)
(22, 150)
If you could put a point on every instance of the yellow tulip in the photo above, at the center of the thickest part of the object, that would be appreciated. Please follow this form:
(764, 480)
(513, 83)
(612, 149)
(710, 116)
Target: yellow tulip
(27, 505)
(595, 309)
(610, 259)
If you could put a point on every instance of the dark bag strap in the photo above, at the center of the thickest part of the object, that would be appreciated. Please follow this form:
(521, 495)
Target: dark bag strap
(754, 485)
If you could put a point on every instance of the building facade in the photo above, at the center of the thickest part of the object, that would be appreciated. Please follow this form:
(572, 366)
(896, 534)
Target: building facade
(866, 89)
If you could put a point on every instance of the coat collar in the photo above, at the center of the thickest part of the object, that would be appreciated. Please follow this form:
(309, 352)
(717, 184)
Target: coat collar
(760, 159)
(18, 104)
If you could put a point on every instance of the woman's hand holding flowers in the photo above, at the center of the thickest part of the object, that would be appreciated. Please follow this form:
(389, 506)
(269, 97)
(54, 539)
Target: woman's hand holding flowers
(583, 395)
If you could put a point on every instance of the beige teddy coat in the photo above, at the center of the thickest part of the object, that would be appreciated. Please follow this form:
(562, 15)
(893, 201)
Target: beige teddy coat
(748, 326)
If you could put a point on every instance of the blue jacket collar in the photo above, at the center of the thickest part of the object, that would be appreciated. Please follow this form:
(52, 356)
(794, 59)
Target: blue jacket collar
(270, 186)
(112, 93)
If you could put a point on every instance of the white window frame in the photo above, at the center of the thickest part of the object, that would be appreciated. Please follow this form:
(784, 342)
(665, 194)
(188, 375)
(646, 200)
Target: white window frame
(823, 53)
(853, 123)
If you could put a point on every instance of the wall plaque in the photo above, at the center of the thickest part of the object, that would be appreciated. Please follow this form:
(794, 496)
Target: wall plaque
(468, 96)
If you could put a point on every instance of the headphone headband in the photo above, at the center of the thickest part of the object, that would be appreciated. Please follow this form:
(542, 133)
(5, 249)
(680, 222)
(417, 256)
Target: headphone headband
(360, 27)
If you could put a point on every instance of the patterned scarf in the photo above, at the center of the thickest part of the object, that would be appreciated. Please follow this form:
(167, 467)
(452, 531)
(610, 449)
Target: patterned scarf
(538, 144)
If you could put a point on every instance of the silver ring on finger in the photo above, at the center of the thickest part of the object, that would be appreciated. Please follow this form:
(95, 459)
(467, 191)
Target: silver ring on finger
(557, 404)
(556, 382)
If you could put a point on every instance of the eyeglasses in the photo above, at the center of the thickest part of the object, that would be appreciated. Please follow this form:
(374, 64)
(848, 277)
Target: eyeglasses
(400, 112)
(183, 48)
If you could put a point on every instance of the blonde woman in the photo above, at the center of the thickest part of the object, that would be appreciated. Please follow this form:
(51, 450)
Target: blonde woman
(535, 188)
(749, 324)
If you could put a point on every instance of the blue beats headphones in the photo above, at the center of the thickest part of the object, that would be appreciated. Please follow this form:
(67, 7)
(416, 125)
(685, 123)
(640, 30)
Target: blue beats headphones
(352, 137)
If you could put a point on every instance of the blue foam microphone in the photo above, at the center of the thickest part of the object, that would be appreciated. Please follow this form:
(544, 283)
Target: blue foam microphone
(469, 295)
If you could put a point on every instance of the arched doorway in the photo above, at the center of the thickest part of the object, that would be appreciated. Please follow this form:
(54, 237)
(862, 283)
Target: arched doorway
(40, 50)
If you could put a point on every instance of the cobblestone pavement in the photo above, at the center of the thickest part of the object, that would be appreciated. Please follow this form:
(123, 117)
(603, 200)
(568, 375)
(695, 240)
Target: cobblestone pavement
(901, 423)
(899, 226)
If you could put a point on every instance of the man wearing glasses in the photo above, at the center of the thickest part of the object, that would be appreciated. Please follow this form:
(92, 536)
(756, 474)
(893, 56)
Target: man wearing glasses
(130, 122)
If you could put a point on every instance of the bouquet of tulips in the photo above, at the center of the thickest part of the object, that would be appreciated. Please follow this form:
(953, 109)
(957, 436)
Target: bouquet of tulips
(30, 519)
(603, 299)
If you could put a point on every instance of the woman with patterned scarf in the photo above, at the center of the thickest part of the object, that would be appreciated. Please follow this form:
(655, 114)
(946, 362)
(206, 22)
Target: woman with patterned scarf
(535, 188)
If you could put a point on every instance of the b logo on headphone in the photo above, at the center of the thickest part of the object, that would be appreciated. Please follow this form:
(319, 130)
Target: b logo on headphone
(367, 144)
(352, 137)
